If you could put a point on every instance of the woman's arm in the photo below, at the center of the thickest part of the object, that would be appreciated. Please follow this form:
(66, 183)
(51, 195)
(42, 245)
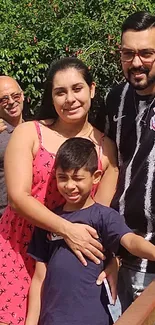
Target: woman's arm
(34, 300)
(107, 186)
(20, 151)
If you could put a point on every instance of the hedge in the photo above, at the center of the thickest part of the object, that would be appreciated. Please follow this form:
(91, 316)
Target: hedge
(34, 33)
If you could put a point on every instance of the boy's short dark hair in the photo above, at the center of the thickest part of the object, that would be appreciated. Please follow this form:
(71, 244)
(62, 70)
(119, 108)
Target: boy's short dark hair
(76, 153)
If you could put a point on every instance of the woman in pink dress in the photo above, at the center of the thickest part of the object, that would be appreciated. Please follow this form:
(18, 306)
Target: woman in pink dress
(32, 188)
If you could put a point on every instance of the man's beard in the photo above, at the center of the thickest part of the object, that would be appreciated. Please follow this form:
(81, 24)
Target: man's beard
(136, 84)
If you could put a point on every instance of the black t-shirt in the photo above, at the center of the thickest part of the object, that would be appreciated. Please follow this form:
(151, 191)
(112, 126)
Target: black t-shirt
(132, 127)
(70, 295)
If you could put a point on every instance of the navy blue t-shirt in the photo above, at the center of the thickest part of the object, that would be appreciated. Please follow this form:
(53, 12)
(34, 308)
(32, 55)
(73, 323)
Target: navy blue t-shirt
(70, 295)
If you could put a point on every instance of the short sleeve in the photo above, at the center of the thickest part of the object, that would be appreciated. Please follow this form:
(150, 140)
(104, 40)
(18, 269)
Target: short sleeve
(39, 245)
(113, 229)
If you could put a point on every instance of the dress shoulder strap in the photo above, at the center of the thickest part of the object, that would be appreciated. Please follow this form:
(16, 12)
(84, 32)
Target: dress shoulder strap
(101, 146)
(100, 150)
(37, 125)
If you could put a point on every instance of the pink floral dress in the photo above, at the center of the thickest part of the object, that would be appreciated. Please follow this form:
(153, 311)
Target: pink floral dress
(16, 267)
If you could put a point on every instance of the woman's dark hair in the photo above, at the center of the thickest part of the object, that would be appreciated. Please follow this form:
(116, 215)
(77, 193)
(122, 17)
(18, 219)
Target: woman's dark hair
(139, 21)
(47, 109)
(76, 153)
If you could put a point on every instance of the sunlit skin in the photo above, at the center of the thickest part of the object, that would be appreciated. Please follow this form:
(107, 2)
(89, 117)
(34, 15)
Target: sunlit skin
(11, 110)
(140, 75)
(75, 187)
(71, 96)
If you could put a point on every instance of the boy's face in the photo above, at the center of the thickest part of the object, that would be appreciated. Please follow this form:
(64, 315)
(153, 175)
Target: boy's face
(75, 186)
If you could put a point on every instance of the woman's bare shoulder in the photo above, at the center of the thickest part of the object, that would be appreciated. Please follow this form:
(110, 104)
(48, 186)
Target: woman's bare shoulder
(26, 130)
(110, 150)
(24, 126)
(31, 125)
(107, 140)
(101, 139)
(96, 136)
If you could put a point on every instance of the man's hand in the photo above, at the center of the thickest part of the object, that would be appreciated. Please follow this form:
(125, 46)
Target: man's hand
(82, 239)
(111, 274)
(2, 125)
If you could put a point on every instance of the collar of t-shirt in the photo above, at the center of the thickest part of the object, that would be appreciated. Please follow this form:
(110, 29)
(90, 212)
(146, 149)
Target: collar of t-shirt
(10, 127)
(146, 98)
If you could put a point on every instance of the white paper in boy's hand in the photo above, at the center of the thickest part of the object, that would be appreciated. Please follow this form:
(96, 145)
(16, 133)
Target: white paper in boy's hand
(106, 284)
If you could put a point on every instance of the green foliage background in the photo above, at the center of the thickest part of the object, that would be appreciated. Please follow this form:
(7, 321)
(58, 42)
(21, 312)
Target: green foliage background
(33, 33)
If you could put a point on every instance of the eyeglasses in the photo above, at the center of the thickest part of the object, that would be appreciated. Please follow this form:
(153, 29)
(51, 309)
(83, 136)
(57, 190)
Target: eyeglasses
(15, 97)
(145, 55)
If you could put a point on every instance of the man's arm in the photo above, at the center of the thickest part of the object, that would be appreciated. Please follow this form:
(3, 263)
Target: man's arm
(34, 301)
(138, 246)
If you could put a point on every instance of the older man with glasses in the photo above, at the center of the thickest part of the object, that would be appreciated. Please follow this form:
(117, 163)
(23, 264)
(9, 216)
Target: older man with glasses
(131, 115)
(11, 107)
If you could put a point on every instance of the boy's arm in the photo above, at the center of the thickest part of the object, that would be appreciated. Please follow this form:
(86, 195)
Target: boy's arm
(34, 301)
(138, 246)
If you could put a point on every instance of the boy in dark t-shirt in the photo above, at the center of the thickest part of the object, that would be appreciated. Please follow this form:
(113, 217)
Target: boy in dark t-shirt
(63, 291)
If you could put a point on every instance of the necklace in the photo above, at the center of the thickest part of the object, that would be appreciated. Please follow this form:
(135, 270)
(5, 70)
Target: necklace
(140, 116)
(84, 134)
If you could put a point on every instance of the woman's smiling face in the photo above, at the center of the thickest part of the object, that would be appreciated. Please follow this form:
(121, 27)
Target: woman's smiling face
(71, 95)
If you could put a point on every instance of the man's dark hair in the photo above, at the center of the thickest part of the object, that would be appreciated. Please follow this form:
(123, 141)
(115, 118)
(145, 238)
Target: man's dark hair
(139, 21)
(76, 153)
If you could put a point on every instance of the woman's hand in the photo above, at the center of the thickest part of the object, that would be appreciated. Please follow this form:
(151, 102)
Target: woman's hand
(82, 239)
(111, 274)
